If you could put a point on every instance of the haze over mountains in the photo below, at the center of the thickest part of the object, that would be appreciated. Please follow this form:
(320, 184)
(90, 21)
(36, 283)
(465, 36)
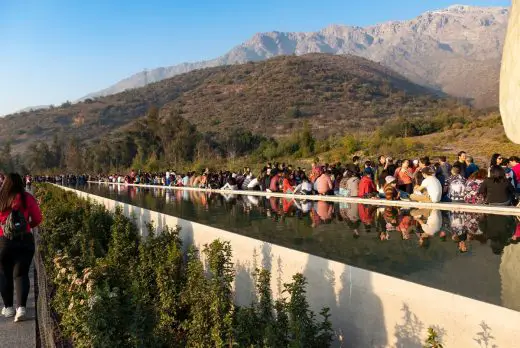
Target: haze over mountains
(456, 50)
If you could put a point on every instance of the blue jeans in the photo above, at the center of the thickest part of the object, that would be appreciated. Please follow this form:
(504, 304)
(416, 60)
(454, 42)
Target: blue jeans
(404, 195)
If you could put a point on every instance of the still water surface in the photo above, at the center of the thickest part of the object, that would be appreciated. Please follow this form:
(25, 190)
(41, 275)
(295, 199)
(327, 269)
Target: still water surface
(464, 253)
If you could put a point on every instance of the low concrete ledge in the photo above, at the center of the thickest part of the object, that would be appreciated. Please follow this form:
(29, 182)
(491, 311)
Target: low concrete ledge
(472, 208)
(368, 309)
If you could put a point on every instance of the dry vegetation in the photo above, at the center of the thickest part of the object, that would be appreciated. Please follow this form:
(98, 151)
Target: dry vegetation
(335, 93)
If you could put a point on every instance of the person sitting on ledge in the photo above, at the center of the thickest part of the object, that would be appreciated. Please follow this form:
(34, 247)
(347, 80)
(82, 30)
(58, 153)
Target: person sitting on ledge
(367, 188)
(305, 188)
(274, 183)
(497, 189)
(231, 184)
(430, 190)
(287, 183)
(349, 184)
(391, 193)
(455, 186)
(324, 184)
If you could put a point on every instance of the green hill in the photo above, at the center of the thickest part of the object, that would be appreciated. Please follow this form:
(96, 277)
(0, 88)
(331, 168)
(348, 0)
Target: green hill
(289, 106)
(335, 93)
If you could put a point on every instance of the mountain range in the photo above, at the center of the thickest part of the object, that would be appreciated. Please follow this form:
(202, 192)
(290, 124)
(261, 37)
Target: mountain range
(456, 50)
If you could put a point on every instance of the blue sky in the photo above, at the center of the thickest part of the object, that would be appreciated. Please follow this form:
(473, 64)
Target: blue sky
(57, 50)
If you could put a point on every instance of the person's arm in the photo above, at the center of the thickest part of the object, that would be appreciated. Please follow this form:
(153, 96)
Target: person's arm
(35, 213)
(420, 188)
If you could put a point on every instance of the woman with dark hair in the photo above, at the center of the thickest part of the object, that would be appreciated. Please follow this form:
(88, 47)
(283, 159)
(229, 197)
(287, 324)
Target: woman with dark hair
(349, 184)
(497, 189)
(472, 187)
(19, 212)
(496, 160)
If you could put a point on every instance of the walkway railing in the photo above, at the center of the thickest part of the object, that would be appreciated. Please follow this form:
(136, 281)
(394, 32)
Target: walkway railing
(47, 328)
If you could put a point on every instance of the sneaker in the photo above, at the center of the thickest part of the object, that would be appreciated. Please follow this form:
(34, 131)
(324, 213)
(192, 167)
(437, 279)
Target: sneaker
(20, 314)
(8, 312)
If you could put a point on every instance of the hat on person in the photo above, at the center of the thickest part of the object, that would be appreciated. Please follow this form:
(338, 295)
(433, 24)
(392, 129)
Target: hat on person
(368, 171)
(389, 179)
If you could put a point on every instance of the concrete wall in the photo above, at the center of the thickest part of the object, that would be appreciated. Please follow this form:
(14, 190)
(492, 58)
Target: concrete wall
(510, 76)
(368, 309)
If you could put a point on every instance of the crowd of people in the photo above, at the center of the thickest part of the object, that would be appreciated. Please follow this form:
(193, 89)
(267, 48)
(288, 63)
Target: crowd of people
(421, 180)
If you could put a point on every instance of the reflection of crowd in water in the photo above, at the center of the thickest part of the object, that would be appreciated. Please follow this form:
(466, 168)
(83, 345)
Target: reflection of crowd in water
(383, 223)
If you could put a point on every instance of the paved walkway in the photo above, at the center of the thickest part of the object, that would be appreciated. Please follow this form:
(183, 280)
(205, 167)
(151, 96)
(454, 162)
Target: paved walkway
(22, 334)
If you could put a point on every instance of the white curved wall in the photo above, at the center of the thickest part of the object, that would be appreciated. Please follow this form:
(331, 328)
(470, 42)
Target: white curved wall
(510, 77)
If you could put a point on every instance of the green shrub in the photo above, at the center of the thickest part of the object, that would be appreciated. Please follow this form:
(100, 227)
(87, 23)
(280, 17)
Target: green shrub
(115, 289)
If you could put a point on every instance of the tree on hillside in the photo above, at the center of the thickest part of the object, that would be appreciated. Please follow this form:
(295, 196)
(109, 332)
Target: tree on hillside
(57, 152)
(73, 156)
(240, 142)
(307, 141)
(7, 162)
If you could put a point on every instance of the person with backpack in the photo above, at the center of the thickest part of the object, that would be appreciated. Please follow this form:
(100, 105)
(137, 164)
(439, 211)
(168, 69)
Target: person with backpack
(19, 212)
(455, 186)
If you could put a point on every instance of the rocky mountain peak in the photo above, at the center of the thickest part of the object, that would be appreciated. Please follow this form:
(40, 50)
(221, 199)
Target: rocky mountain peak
(456, 49)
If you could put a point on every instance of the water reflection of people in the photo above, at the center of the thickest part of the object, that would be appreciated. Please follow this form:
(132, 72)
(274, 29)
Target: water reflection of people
(460, 228)
(324, 210)
(430, 221)
(498, 229)
(350, 214)
(367, 215)
(287, 206)
(406, 225)
(303, 206)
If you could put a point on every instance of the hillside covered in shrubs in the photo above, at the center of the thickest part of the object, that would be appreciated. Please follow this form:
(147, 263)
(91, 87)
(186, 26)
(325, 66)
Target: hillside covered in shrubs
(334, 93)
(287, 107)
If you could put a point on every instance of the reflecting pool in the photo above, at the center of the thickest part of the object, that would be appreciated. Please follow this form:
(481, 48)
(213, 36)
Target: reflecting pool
(470, 254)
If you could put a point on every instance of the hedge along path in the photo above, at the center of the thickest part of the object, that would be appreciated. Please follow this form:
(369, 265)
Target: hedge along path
(458, 207)
(124, 291)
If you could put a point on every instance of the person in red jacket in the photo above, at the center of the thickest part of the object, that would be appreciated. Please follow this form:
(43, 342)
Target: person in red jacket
(514, 163)
(16, 251)
(287, 183)
(366, 184)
